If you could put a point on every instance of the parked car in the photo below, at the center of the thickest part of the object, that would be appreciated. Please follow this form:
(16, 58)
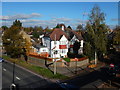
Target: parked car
(67, 86)
(1, 60)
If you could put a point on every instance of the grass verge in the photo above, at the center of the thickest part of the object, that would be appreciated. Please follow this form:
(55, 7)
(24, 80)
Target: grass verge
(39, 70)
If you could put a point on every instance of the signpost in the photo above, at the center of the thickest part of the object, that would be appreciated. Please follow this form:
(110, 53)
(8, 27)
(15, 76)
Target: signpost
(112, 65)
(76, 59)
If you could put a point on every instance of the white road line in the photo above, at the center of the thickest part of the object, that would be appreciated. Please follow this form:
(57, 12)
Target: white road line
(4, 69)
(18, 78)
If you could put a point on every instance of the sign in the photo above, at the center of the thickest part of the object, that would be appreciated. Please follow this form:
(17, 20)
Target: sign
(112, 65)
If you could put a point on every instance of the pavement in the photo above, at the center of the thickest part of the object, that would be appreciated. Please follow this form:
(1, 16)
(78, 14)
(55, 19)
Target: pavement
(69, 71)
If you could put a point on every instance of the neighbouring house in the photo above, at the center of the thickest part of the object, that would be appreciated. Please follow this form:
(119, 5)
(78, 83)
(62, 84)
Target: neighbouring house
(40, 50)
(25, 36)
(28, 41)
(74, 36)
(60, 41)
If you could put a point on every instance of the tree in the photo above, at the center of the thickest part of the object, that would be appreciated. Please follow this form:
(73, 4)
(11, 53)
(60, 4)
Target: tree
(4, 28)
(87, 50)
(35, 34)
(58, 26)
(79, 27)
(69, 27)
(14, 43)
(116, 38)
(17, 23)
(96, 29)
(76, 47)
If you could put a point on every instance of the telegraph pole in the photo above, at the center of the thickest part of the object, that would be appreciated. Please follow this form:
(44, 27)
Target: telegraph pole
(55, 52)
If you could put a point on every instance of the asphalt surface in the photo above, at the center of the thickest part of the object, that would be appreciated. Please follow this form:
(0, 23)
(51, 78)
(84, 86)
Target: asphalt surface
(25, 79)
(90, 79)
(0, 76)
(22, 78)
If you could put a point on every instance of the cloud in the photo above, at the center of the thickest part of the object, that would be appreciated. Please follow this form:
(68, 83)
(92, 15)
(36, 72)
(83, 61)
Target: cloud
(20, 16)
(85, 14)
(61, 19)
(28, 20)
(81, 21)
(112, 26)
(115, 19)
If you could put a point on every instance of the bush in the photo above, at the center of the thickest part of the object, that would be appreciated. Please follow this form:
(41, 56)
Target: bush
(67, 59)
(71, 55)
(80, 56)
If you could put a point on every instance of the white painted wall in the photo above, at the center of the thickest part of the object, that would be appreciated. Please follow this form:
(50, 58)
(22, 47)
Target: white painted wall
(64, 41)
(81, 43)
(44, 49)
(55, 45)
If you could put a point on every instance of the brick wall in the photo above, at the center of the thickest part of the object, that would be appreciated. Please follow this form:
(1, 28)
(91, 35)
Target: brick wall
(59, 64)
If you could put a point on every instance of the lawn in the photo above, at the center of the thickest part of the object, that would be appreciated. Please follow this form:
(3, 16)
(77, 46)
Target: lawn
(67, 59)
(39, 70)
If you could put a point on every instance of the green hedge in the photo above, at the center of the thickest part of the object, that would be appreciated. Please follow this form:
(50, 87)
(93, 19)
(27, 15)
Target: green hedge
(67, 59)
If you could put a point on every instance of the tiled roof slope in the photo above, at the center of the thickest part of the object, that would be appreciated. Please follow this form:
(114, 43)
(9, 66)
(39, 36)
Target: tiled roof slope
(57, 34)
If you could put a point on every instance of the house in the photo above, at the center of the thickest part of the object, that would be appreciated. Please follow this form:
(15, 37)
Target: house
(60, 41)
(74, 36)
(57, 43)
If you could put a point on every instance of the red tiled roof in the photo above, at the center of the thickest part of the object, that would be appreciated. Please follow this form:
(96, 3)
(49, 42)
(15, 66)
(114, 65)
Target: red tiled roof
(79, 36)
(57, 32)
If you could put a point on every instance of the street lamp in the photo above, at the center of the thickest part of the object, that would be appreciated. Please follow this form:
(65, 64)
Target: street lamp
(13, 86)
(55, 52)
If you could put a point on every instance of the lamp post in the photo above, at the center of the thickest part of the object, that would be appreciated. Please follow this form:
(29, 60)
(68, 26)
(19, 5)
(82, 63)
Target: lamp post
(13, 86)
(55, 68)
(13, 72)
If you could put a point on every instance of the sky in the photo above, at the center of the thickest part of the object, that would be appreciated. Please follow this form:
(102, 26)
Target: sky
(51, 13)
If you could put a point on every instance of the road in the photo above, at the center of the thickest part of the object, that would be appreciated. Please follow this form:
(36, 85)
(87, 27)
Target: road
(22, 78)
(89, 79)
(25, 79)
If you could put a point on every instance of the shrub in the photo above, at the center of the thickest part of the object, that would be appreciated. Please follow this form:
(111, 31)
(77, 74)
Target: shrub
(67, 59)
(71, 55)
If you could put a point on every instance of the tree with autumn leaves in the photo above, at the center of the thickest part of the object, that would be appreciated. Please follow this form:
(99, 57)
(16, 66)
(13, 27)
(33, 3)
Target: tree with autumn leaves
(13, 41)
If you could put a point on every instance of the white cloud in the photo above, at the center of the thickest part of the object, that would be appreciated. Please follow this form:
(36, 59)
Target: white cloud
(115, 19)
(85, 14)
(20, 16)
(27, 21)
(61, 19)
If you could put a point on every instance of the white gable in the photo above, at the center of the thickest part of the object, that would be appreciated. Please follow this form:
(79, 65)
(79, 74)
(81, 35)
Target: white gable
(63, 38)
(74, 38)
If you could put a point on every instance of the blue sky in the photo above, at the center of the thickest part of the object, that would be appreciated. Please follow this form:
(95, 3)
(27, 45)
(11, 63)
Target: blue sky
(50, 13)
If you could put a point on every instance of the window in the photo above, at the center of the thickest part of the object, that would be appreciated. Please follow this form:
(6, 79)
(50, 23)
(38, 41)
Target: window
(63, 51)
(55, 42)
(63, 42)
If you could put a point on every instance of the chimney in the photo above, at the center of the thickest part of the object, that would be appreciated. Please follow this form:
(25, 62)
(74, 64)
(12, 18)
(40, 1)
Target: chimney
(63, 27)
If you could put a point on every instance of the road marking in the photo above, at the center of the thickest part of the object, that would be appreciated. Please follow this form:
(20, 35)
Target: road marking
(18, 78)
(4, 69)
